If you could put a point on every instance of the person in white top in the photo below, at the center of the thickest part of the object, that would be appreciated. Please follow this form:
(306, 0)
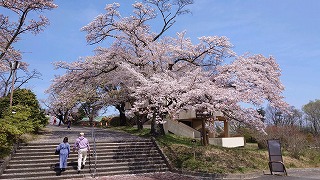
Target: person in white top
(83, 147)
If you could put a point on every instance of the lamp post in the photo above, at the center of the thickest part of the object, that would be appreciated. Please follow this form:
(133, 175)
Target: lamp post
(14, 65)
(94, 153)
(193, 141)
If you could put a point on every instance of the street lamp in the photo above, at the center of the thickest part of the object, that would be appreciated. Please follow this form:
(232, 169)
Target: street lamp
(14, 65)
(91, 119)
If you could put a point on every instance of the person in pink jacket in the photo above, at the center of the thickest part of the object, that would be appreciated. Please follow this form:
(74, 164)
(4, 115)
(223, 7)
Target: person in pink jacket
(83, 147)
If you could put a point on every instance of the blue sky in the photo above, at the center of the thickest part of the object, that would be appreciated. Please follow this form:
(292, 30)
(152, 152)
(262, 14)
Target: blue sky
(287, 29)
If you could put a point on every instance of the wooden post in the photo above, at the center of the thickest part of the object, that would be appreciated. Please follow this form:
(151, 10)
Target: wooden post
(214, 132)
(226, 128)
(204, 139)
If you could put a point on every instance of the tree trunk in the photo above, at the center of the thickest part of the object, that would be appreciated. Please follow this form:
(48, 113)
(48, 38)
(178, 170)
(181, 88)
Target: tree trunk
(91, 119)
(204, 139)
(153, 131)
(156, 129)
(121, 109)
(315, 127)
(65, 117)
(161, 130)
(140, 119)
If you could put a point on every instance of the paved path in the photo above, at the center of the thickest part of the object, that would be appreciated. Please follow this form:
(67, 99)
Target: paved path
(295, 174)
(57, 133)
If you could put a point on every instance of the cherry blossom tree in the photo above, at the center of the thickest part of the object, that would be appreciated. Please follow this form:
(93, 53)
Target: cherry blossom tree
(11, 28)
(57, 106)
(246, 80)
(162, 75)
(143, 13)
(10, 31)
(72, 91)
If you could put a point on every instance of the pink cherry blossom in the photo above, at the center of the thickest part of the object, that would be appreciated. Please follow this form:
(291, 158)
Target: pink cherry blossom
(162, 75)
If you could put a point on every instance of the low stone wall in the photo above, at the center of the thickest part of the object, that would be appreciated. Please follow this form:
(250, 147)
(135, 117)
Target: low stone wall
(229, 142)
(177, 128)
(181, 129)
(4, 162)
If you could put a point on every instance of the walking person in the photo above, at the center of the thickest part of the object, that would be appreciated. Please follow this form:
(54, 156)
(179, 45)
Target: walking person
(83, 147)
(54, 120)
(69, 124)
(64, 149)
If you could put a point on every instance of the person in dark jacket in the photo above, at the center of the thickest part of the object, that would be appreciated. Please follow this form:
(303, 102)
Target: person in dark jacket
(69, 124)
(64, 149)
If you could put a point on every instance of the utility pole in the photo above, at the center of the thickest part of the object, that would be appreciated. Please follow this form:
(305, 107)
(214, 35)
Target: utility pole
(14, 65)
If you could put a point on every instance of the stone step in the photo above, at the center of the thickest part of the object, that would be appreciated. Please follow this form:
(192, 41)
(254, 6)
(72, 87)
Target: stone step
(51, 154)
(98, 148)
(74, 162)
(55, 158)
(38, 161)
(106, 154)
(109, 143)
(52, 174)
(73, 165)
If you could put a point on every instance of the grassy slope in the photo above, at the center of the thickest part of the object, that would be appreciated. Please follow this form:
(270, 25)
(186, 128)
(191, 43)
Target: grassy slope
(186, 155)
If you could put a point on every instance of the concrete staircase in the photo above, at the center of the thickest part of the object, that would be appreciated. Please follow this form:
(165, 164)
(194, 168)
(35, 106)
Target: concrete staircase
(181, 129)
(37, 161)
